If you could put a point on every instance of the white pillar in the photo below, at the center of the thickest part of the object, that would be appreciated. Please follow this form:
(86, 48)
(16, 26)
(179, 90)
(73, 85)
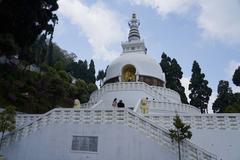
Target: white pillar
(120, 78)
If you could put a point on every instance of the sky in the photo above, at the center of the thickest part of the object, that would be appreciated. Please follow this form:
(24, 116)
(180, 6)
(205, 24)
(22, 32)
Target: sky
(207, 31)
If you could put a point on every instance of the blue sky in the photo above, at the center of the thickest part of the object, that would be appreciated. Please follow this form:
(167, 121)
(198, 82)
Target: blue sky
(188, 30)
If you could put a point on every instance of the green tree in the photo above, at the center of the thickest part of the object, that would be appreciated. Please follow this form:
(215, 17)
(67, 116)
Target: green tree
(8, 46)
(39, 49)
(180, 132)
(7, 121)
(166, 67)
(91, 87)
(91, 72)
(234, 108)
(56, 90)
(176, 74)
(82, 91)
(100, 77)
(200, 92)
(59, 65)
(31, 18)
(173, 75)
(50, 45)
(236, 77)
(65, 76)
(224, 98)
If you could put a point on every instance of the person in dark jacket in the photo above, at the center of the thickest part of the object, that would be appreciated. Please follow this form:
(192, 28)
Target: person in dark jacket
(120, 104)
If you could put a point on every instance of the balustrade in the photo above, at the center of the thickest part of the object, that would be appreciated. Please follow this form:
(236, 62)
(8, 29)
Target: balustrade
(159, 93)
(116, 116)
(201, 121)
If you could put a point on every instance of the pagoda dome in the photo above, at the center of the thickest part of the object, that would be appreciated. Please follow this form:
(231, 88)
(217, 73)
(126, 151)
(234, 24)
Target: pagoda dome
(134, 64)
(143, 65)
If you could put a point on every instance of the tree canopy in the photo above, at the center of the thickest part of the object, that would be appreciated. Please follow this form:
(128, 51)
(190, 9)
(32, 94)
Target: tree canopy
(7, 121)
(173, 75)
(224, 98)
(23, 21)
(236, 77)
(38, 92)
(100, 76)
(180, 132)
(200, 92)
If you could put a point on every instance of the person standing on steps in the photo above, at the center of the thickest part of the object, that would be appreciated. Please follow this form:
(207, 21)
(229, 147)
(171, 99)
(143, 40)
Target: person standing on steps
(120, 104)
(114, 103)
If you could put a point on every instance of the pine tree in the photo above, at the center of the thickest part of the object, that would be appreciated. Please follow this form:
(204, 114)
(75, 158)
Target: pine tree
(166, 68)
(200, 92)
(236, 77)
(181, 132)
(176, 74)
(225, 97)
(173, 75)
(91, 72)
(7, 121)
(100, 76)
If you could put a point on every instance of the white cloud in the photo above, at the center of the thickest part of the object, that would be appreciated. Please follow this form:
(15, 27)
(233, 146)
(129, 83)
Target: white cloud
(232, 66)
(164, 7)
(218, 19)
(97, 22)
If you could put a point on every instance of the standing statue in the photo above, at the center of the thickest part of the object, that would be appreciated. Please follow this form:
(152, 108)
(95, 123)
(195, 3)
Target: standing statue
(144, 105)
(77, 103)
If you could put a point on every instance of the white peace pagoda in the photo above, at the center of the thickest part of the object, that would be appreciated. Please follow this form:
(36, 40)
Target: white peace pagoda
(99, 131)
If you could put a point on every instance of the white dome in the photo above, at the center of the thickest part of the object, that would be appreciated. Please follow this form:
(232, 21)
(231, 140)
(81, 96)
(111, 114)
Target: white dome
(143, 63)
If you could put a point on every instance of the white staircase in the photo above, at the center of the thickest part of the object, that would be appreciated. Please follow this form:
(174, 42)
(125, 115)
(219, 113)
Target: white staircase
(108, 116)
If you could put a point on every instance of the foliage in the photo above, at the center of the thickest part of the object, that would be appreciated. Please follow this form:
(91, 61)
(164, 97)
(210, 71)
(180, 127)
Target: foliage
(82, 91)
(225, 97)
(33, 92)
(200, 92)
(7, 121)
(91, 87)
(7, 45)
(234, 108)
(65, 76)
(82, 70)
(39, 49)
(59, 65)
(31, 18)
(181, 132)
(91, 72)
(173, 75)
(100, 76)
(236, 77)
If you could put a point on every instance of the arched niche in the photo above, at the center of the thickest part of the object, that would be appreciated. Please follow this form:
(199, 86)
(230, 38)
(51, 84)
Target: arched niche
(128, 73)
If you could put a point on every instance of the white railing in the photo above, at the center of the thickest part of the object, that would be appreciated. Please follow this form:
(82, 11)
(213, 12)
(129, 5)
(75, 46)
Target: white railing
(109, 116)
(200, 121)
(161, 136)
(166, 107)
(136, 108)
(98, 104)
(22, 119)
(129, 86)
(168, 93)
(87, 105)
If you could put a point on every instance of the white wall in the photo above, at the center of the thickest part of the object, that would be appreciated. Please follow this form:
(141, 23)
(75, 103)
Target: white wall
(115, 142)
(130, 98)
(224, 143)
